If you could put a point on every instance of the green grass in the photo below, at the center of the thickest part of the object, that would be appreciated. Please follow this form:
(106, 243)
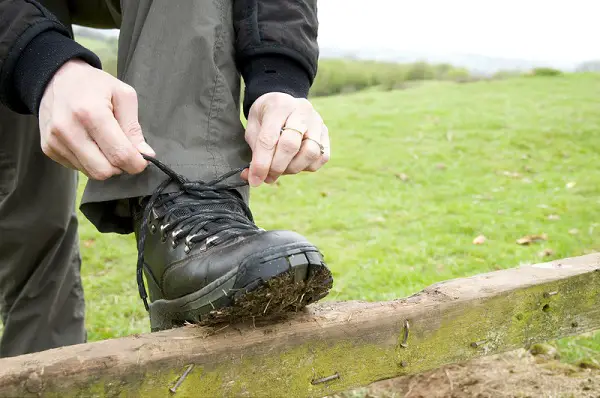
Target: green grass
(493, 158)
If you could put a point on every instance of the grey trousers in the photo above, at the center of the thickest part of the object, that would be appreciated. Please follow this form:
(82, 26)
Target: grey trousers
(179, 56)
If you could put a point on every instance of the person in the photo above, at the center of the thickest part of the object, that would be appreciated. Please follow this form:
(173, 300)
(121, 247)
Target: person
(166, 153)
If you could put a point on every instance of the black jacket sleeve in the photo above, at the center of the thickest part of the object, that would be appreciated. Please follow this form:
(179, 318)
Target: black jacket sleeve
(276, 46)
(33, 46)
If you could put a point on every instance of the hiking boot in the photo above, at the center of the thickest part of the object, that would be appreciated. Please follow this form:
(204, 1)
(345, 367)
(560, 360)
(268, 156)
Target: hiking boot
(207, 262)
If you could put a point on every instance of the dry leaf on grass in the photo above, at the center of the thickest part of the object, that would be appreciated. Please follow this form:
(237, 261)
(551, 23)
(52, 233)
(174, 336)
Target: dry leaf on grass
(553, 217)
(402, 177)
(526, 240)
(570, 184)
(88, 242)
(574, 231)
(511, 174)
(377, 219)
(546, 253)
(480, 240)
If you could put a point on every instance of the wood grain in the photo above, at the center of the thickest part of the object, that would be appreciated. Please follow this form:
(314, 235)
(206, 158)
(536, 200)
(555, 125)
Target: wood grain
(329, 347)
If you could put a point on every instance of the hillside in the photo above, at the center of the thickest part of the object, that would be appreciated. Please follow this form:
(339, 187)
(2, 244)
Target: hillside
(416, 175)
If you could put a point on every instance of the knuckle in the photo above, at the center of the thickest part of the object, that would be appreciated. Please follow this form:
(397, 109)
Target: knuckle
(267, 141)
(288, 146)
(47, 148)
(293, 170)
(83, 113)
(277, 170)
(325, 158)
(119, 156)
(127, 91)
(261, 168)
(58, 128)
(55, 132)
(134, 129)
(138, 167)
(100, 175)
(312, 154)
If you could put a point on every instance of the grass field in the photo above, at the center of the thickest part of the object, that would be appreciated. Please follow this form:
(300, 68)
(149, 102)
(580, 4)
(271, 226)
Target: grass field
(415, 176)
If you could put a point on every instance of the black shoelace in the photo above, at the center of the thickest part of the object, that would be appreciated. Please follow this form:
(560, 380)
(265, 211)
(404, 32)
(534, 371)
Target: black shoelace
(201, 221)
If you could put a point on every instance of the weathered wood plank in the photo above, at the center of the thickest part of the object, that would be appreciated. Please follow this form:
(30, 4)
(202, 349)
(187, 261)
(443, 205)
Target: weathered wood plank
(355, 342)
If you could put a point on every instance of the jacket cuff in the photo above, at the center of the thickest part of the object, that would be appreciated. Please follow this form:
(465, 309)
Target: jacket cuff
(38, 62)
(272, 73)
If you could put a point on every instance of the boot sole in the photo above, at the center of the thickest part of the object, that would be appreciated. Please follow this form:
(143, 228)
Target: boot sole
(265, 287)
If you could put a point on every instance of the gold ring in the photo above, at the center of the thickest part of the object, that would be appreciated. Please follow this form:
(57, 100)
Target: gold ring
(321, 147)
(293, 129)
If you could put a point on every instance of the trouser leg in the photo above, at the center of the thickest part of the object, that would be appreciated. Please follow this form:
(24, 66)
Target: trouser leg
(179, 56)
(41, 298)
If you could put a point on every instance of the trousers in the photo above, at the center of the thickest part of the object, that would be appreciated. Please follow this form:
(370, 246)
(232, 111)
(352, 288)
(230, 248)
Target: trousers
(180, 58)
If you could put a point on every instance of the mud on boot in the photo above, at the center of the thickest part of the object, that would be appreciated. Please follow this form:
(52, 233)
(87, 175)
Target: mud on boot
(206, 261)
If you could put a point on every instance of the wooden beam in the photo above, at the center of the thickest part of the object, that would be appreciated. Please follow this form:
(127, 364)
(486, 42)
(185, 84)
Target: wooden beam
(330, 347)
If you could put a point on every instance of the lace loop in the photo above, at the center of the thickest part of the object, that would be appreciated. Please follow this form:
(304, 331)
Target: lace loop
(194, 225)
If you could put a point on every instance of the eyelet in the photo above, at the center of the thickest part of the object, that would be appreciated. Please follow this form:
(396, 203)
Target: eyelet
(152, 229)
(174, 244)
(163, 235)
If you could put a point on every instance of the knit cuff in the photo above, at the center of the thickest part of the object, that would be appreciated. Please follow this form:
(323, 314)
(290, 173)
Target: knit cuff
(38, 62)
(272, 73)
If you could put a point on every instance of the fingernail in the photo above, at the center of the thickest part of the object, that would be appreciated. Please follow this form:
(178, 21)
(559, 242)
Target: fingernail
(146, 149)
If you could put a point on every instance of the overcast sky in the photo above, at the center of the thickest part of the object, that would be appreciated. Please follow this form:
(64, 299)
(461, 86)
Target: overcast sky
(545, 30)
(531, 29)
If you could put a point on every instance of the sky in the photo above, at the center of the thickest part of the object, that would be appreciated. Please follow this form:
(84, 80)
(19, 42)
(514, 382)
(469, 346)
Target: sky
(530, 29)
(538, 30)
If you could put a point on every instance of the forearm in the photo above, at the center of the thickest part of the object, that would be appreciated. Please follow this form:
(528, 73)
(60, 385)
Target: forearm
(276, 46)
(33, 46)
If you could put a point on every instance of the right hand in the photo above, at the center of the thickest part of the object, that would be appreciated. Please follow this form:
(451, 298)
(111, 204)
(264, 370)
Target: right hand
(89, 122)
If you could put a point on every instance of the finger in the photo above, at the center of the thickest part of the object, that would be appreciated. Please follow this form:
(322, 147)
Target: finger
(289, 143)
(250, 135)
(58, 152)
(125, 109)
(325, 141)
(104, 129)
(310, 150)
(266, 141)
(91, 159)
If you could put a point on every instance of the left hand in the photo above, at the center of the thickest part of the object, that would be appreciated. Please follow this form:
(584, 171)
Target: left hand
(295, 149)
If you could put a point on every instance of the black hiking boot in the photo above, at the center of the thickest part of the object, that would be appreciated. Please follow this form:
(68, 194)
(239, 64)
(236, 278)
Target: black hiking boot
(206, 262)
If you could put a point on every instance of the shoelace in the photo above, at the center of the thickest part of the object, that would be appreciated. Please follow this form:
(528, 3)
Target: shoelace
(194, 224)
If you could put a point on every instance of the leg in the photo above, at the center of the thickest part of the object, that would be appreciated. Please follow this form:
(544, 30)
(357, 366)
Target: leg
(41, 298)
(180, 59)
(203, 257)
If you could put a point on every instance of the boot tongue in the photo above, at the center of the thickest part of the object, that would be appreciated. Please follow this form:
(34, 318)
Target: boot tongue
(195, 204)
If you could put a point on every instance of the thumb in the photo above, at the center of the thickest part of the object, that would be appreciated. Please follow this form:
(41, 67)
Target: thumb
(125, 109)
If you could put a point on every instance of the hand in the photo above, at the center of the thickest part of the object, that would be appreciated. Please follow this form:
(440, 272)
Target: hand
(89, 122)
(295, 149)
